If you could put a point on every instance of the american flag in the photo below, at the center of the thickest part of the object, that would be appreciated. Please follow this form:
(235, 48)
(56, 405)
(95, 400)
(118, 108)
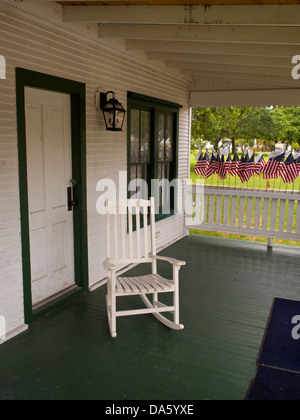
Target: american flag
(202, 165)
(213, 166)
(259, 164)
(234, 166)
(196, 168)
(222, 168)
(289, 171)
(242, 167)
(297, 158)
(249, 168)
(228, 164)
(272, 169)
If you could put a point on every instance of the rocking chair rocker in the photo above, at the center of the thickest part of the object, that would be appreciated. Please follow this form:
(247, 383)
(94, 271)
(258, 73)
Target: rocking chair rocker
(137, 244)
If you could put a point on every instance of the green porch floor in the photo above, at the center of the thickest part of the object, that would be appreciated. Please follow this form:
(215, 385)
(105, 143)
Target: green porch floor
(227, 289)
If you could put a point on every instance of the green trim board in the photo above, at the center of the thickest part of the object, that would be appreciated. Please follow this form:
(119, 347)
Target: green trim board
(151, 99)
(78, 132)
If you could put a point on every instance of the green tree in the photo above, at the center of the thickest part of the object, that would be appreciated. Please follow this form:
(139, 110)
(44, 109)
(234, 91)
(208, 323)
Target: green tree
(216, 124)
(241, 125)
(204, 127)
(288, 125)
(258, 123)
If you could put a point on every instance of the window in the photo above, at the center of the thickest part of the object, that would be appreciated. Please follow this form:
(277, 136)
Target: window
(152, 148)
(140, 151)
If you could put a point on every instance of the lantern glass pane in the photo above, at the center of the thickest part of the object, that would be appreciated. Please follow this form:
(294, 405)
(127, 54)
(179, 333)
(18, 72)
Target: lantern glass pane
(119, 119)
(109, 118)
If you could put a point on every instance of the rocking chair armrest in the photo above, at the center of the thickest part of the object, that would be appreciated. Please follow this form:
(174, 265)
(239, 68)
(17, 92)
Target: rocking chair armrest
(172, 261)
(109, 265)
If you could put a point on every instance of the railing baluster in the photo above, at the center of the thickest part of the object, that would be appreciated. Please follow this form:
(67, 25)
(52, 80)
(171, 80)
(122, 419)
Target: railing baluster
(273, 216)
(281, 215)
(226, 210)
(218, 210)
(241, 213)
(233, 211)
(265, 219)
(297, 224)
(211, 209)
(249, 213)
(290, 218)
(257, 214)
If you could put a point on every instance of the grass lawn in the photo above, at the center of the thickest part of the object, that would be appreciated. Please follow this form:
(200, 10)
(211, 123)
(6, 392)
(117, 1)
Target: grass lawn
(256, 181)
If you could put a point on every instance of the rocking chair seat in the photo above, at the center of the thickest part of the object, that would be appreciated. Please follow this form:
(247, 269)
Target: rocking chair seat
(143, 284)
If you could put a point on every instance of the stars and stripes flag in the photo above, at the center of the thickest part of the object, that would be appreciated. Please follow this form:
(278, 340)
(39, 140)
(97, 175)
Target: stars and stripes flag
(197, 166)
(202, 165)
(234, 165)
(297, 159)
(249, 168)
(228, 164)
(289, 171)
(273, 167)
(213, 165)
(222, 168)
(242, 167)
(259, 164)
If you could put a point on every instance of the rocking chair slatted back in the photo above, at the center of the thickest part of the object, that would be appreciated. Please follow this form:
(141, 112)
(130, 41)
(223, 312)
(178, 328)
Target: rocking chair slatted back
(127, 230)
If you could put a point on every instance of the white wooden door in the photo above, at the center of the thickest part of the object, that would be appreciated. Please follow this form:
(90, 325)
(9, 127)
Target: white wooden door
(49, 171)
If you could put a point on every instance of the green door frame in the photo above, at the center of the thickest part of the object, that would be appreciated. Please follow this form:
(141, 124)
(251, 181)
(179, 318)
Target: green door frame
(78, 132)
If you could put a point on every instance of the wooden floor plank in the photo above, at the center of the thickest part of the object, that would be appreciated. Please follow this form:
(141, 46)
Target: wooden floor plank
(227, 289)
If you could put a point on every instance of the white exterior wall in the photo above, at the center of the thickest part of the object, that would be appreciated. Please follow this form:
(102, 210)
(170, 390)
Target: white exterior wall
(49, 46)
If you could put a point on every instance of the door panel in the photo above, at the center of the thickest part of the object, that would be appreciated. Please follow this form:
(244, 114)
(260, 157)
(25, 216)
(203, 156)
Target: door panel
(49, 171)
(35, 148)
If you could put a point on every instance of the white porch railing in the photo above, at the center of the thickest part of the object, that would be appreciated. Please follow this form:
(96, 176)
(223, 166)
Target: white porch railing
(271, 214)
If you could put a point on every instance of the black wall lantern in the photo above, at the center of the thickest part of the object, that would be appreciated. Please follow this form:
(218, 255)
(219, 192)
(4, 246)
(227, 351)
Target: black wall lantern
(113, 111)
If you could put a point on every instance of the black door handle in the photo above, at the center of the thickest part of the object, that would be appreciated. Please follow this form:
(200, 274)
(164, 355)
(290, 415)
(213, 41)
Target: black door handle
(71, 202)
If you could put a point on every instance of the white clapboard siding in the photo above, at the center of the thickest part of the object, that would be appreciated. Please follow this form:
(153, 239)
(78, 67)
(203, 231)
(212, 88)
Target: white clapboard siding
(73, 52)
(270, 214)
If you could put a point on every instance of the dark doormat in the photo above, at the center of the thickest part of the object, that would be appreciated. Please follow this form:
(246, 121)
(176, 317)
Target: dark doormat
(278, 375)
(272, 384)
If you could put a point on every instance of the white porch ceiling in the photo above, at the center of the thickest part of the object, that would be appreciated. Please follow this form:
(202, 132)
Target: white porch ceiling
(245, 45)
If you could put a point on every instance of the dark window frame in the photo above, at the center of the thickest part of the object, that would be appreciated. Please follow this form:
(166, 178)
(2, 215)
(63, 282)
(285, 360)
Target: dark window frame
(156, 107)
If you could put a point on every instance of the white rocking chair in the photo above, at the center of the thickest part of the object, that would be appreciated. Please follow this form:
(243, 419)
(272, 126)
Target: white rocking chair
(118, 241)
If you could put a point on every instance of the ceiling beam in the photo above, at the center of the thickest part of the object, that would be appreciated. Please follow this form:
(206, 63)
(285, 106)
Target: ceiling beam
(176, 2)
(267, 50)
(220, 59)
(235, 68)
(242, 76)
(205, 80)
(225, 15)
(125, 14)
(282, 97)
(230, 33)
